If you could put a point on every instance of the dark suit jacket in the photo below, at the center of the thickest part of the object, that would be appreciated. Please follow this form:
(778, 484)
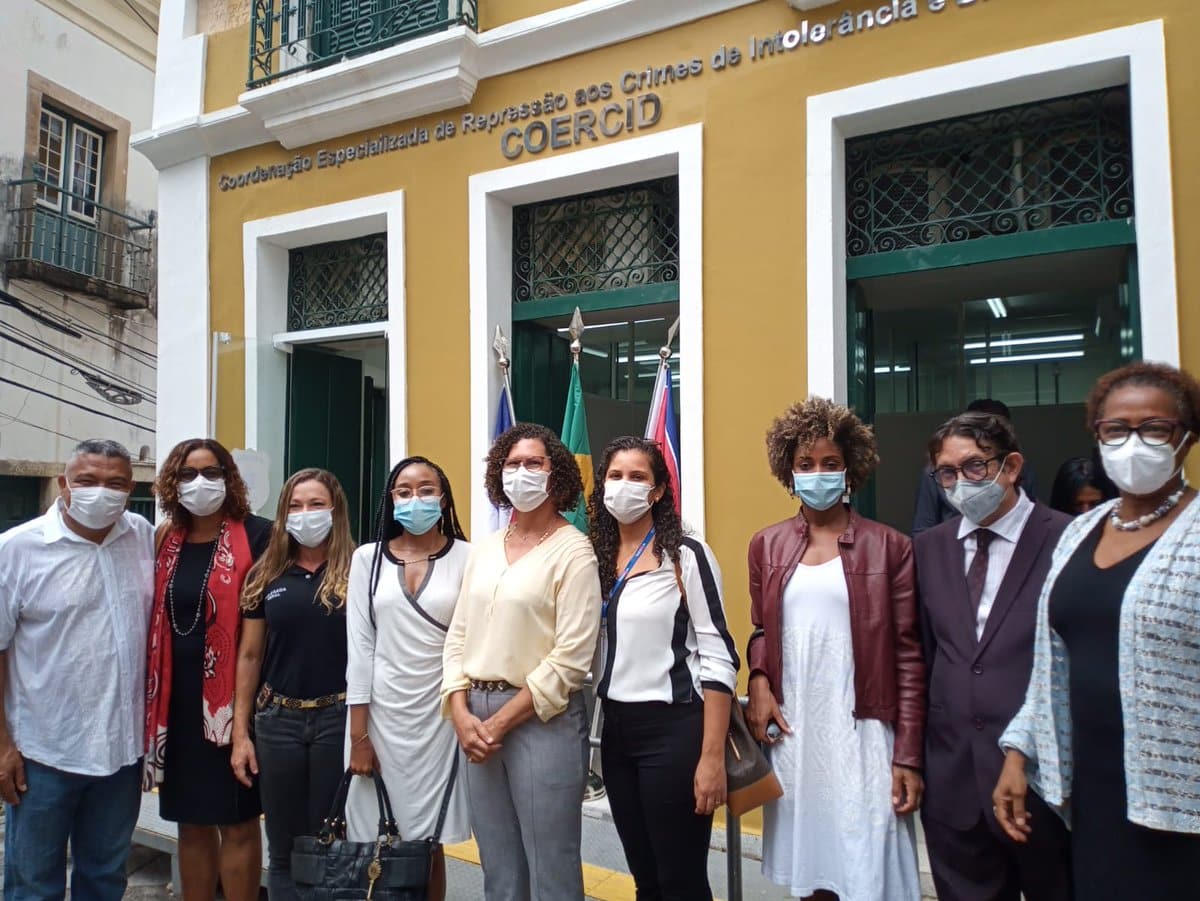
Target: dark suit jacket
(975, 687)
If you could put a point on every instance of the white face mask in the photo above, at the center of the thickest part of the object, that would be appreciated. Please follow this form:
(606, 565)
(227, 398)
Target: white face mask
(627, 501)
(310, 527)
(97, 507)
(525, 490)
(202, 496)
(1139, 468)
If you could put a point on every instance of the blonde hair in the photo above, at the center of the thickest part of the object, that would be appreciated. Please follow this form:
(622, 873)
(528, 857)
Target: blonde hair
(281, 549)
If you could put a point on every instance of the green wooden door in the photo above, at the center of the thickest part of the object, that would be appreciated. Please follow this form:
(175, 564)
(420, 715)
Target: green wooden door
(325, 420)
(541, 371)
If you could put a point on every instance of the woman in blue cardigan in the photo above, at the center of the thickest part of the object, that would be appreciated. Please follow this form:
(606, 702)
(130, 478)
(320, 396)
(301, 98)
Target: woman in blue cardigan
(1109, 734)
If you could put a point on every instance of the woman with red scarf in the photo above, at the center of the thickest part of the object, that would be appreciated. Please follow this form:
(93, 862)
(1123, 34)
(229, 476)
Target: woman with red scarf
(205, 548)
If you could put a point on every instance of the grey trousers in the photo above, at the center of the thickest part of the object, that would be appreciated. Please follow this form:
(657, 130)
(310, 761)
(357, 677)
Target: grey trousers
(526, 805)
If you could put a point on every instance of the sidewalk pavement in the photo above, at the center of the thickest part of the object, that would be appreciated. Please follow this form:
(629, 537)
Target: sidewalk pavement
(605, 874)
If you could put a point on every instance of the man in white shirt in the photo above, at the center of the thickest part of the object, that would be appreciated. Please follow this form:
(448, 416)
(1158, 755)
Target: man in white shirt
(979, 576)
(76, 586)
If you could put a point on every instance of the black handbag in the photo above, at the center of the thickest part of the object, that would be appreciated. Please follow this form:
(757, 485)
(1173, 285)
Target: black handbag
(326, 866)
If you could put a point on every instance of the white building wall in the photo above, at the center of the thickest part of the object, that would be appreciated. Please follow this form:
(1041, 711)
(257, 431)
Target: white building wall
(54, 338)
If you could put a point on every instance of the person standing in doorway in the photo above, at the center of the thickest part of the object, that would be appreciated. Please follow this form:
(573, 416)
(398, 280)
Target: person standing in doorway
(76, 587)
(980, 575)
(837, 684)
(403, 590)
(517, 654)
(669, 676)
(207, 547)
(291, 668)
(1108, 731)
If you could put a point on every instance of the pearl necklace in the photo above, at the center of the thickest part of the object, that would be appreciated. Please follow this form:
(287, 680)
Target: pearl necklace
(1141, 522)
(203, 588)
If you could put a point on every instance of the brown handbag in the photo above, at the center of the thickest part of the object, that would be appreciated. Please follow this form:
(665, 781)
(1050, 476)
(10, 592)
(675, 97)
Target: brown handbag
(749, 780)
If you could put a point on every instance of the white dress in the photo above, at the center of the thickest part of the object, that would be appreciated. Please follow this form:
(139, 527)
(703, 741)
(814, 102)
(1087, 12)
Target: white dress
(396, 667)
(834, 827)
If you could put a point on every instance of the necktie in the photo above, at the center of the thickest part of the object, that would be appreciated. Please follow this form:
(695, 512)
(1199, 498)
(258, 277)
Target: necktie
(977, 571)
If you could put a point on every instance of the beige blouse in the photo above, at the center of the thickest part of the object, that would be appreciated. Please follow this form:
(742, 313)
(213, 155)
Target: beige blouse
(532, 624)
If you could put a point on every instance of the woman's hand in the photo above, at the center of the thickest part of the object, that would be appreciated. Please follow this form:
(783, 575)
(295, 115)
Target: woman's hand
(762, 709)
(363, 759)
(244, 761)
(907, 788)
(1008, 799)
(709, 783)
(476, 740)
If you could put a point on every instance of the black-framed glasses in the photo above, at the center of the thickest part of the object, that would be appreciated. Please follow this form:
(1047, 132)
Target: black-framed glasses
(187, 474)
(1154, 432)
(973, 471)
(531, 464)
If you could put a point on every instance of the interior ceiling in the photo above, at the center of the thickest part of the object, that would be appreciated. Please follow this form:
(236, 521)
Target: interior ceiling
(1081, 271)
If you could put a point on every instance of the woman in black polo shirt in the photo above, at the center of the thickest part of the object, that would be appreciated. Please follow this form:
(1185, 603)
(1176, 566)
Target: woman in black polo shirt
(294, 607)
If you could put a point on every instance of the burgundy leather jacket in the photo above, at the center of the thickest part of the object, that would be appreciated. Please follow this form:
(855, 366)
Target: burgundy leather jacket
(889, 671)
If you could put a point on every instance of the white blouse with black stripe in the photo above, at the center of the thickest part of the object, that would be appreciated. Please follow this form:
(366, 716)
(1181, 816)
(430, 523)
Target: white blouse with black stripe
(660, 649)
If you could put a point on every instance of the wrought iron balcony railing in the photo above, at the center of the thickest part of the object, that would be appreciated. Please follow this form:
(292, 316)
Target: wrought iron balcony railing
(107, 253)
(288, 36)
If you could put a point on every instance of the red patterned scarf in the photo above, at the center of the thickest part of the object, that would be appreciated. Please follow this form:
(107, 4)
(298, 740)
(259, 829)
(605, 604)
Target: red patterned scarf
(222, 615)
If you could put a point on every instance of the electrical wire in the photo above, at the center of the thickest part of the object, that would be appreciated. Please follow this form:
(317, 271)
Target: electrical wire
(71, 403)
(75, 362)
(34, 425)
(69, 325)
(98, 306)
(139, 15)
(79, 391)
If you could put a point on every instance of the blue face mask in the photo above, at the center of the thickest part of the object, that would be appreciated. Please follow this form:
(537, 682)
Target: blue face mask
(418, 515)
(819, 490)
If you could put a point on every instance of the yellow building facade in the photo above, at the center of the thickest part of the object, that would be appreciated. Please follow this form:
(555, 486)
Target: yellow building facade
(905, 205)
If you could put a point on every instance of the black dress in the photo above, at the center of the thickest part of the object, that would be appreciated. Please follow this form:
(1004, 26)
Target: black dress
(198, 784)
(1112, 858)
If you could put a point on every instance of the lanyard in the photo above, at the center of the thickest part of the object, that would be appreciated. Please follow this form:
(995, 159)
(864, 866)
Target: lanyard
(620, 583)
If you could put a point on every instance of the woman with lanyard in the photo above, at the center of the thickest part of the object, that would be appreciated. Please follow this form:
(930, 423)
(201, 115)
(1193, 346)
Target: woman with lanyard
(205, 550)
(403, 590)
(294, 608)
(519, 649)
(669, 674)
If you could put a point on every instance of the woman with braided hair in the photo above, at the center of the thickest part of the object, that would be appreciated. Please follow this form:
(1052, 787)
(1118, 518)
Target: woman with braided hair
(402, 594)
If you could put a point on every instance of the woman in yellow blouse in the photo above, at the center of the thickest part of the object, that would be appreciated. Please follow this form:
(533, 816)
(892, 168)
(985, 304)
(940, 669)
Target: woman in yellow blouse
(519, 648)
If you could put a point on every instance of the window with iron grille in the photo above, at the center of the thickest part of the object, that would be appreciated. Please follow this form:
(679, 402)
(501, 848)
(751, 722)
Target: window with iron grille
(339, 283)
(1037, 166)
(624, 237)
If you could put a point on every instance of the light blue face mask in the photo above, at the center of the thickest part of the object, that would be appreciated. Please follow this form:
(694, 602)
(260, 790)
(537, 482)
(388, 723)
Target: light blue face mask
(418, 515)
(819, 490)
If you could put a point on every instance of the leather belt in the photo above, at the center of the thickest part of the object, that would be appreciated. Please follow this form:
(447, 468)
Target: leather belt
(496, 685)
(268, 698)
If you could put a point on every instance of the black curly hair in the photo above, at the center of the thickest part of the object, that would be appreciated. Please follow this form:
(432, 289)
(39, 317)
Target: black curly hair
(603, 528)
(565, 485)
(804, 423)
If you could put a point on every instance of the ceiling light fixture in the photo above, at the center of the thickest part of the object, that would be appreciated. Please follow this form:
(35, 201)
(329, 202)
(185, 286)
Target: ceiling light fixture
(1028, 358)
(996, 305)
(1021, 342)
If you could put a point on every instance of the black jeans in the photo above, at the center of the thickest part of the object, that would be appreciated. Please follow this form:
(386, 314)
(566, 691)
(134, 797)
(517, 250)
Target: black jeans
(300, 766)
(649, 752)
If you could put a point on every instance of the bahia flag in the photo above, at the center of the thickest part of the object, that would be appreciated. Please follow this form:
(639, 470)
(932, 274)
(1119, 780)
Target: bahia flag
(504, 422)
(660, 425)
(575, 437)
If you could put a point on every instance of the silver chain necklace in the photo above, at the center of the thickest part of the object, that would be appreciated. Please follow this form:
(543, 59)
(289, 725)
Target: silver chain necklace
(203, 588)
(1132, 525)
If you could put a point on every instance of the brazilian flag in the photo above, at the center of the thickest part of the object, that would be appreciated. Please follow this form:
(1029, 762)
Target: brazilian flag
(575, 437)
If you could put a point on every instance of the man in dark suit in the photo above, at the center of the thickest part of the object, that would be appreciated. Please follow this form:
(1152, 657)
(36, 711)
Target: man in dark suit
(980, 575)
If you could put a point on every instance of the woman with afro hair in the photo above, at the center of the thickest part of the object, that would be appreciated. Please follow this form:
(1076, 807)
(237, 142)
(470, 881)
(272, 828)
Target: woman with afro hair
(837, 682)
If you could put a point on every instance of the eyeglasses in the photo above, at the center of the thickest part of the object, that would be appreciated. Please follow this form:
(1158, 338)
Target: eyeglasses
(424, 492)
(187, 474)
(530, 464)
(1155, 432)
(972, 471)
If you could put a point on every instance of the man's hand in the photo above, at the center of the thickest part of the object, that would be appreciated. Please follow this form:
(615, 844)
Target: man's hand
(907, 788)
(12, 772)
